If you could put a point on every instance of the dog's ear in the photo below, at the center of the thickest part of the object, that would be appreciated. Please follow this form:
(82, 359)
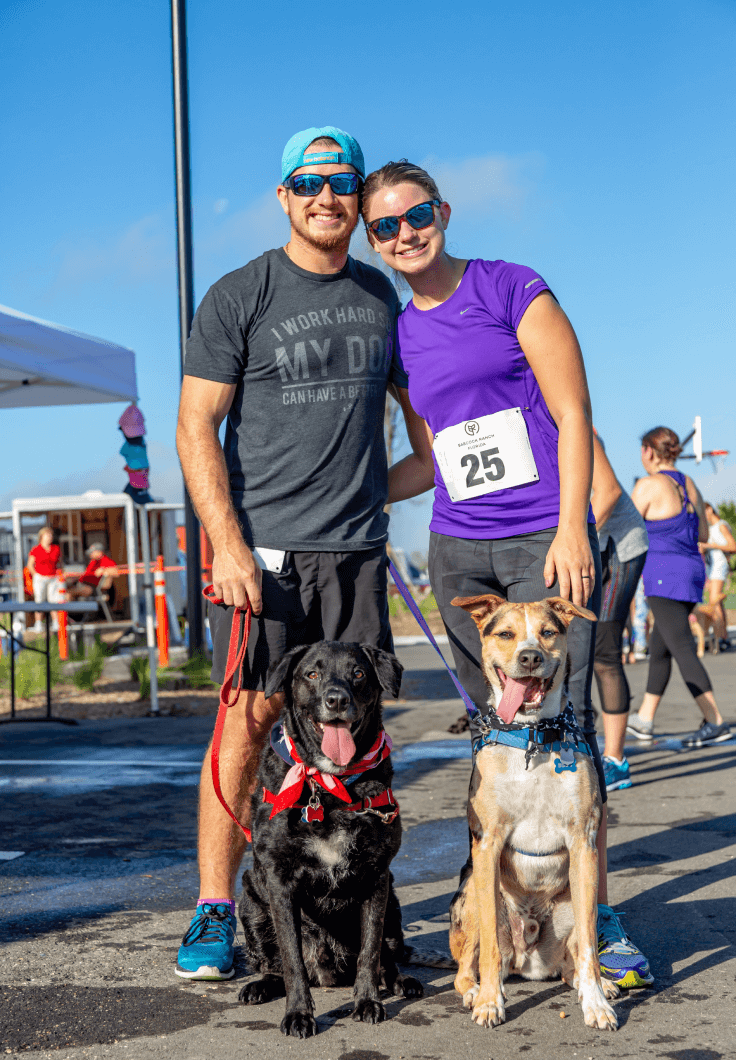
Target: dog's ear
(279, 674)
(388, 669)
(567, 610)
(480, 607)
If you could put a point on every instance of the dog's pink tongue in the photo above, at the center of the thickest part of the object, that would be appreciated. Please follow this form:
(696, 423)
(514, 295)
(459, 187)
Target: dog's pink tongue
(338, 744)
(512, 698)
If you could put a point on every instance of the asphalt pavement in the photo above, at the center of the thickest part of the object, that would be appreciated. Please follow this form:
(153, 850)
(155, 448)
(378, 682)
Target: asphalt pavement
(98, 881)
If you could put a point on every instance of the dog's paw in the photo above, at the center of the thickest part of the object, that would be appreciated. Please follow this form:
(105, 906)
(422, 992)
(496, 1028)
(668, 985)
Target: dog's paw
(299, 1025)
(470, 995)
(598, 1013)
(261, 991)
(408, 986)
(368, 1011)
(490, 1013)
(610, 989)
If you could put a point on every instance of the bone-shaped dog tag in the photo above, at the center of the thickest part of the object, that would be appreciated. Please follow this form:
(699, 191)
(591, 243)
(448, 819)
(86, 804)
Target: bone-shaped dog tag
(566, 759)
(314, 810)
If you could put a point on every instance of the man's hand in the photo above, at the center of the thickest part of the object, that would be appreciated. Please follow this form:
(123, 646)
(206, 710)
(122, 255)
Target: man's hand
(236, 577)
(570, 561)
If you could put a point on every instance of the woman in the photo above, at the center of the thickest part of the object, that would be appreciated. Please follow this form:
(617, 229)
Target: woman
(716, 550)
(44, 563)
(674, 577)
(622, 537)
(496, 372)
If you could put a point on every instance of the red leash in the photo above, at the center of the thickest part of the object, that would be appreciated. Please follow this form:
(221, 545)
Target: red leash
(228, 695)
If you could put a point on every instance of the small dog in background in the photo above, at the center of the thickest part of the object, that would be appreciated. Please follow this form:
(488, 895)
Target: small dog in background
(527, 901)
(319, 905)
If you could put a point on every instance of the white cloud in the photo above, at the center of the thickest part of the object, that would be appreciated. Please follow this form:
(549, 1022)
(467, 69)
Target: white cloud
(165, 477)
(141, 251)
(247, 232)
(489, 183)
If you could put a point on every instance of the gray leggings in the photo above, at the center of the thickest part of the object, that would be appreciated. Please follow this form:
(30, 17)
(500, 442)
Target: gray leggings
(511, 567)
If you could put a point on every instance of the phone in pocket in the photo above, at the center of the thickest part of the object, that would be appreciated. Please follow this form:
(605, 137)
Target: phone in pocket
(272, 559)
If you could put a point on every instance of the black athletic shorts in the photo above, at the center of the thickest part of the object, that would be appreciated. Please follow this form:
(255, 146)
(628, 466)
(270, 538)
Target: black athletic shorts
(317, 596)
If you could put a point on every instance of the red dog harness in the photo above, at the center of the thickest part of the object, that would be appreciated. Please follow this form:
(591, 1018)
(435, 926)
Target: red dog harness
(294, 780)
(299, 774)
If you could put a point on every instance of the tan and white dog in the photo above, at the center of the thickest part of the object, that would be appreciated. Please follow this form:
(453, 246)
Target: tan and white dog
(527, 901)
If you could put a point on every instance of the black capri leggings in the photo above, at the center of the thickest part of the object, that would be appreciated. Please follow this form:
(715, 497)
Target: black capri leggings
(619, 585)
(671, 636)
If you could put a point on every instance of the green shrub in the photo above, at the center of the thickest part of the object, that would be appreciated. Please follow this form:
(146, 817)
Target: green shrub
(140, 673)
(396, 605)
(30, 671)
(91, 670)
(198, 670)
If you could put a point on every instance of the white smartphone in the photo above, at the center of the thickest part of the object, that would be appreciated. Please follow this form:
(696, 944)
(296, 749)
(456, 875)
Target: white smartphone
(269, 558)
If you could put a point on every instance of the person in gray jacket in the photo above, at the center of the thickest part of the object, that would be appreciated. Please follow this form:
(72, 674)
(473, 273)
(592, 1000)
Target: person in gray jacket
(623, 542)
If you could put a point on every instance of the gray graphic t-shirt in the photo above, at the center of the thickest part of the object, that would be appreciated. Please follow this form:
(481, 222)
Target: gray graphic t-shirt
(311, 356)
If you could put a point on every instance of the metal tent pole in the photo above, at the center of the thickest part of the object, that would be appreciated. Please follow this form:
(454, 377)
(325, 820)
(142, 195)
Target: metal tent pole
(186, 293)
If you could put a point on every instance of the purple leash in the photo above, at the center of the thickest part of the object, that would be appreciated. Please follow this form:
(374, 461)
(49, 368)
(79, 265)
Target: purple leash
(412, 605)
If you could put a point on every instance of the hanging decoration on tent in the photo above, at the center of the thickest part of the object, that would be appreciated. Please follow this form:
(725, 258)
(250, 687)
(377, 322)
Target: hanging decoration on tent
(133, 449)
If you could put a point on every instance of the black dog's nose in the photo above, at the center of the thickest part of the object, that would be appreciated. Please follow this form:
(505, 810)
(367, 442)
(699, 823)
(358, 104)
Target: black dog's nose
(337, 699)
(530, 659)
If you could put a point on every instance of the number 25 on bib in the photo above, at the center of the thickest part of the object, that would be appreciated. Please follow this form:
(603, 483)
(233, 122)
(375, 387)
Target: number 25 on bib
(482, 456)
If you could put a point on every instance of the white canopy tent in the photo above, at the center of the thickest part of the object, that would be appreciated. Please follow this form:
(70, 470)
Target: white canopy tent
(46, 364)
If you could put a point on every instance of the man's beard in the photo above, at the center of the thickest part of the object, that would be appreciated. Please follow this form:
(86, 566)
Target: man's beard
(323, 240)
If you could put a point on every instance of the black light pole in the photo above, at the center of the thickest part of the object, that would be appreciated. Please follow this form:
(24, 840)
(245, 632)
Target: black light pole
(186, 291)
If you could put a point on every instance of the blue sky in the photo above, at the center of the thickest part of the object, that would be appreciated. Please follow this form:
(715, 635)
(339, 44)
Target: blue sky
(592, 142)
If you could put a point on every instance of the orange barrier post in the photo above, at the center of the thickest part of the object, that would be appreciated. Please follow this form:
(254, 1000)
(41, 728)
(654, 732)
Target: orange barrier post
(62, 618)
(162, 614)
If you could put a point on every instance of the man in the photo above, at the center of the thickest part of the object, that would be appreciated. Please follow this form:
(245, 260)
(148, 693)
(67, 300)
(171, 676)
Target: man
(100, 572)
(296, 349)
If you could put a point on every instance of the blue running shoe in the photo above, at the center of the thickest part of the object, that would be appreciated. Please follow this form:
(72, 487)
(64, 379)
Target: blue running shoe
(617, 774)
(207, 950)
(621, 961)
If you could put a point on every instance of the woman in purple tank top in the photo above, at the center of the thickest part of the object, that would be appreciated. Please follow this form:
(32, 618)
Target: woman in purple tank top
(496, 372)
(674, 577)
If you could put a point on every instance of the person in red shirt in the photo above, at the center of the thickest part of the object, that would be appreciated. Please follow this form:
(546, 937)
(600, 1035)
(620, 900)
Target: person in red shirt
(100, 572)
(44, 563)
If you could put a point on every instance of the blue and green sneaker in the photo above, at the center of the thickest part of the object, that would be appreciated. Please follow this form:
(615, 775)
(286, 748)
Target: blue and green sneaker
(621, 961)
(207, 950)
(617, 774)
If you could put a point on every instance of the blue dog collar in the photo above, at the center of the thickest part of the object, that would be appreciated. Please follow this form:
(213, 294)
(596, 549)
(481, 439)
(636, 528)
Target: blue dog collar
(561, 736)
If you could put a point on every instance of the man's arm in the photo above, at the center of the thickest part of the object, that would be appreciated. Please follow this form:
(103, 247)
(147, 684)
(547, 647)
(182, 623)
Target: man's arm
(415, 473)
(202, 408)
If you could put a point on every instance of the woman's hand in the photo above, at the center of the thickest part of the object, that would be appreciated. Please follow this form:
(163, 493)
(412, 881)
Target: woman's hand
(570, 562)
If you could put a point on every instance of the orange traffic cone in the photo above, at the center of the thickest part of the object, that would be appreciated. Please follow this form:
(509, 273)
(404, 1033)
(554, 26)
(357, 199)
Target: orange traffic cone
(162, 614)
(62, 617)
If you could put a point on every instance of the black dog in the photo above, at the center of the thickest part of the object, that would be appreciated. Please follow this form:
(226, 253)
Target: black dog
(318, 905)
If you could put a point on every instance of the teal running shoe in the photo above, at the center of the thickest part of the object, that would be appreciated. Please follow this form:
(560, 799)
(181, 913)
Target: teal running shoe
(621, 961)
(617, 774)
(207, 950)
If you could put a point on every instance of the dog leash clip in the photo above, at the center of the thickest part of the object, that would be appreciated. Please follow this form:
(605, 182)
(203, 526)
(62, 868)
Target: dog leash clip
(566, 761)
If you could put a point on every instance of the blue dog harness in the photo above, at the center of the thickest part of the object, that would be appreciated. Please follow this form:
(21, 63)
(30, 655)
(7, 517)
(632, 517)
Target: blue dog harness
(560, 735)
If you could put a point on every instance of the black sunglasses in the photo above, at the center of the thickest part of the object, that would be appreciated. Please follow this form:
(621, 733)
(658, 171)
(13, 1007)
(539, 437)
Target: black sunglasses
(312, 183)
(421, 216)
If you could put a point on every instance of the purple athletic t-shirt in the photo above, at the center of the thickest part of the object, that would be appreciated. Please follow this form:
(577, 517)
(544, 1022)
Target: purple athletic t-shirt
(464, 361)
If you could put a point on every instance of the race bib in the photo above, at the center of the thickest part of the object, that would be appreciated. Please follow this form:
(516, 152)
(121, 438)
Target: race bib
(482, 456)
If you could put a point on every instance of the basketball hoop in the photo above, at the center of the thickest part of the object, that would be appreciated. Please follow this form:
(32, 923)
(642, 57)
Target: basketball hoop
(717, 458)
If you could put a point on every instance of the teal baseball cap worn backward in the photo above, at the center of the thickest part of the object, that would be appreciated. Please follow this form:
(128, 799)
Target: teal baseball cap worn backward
(349, 154)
